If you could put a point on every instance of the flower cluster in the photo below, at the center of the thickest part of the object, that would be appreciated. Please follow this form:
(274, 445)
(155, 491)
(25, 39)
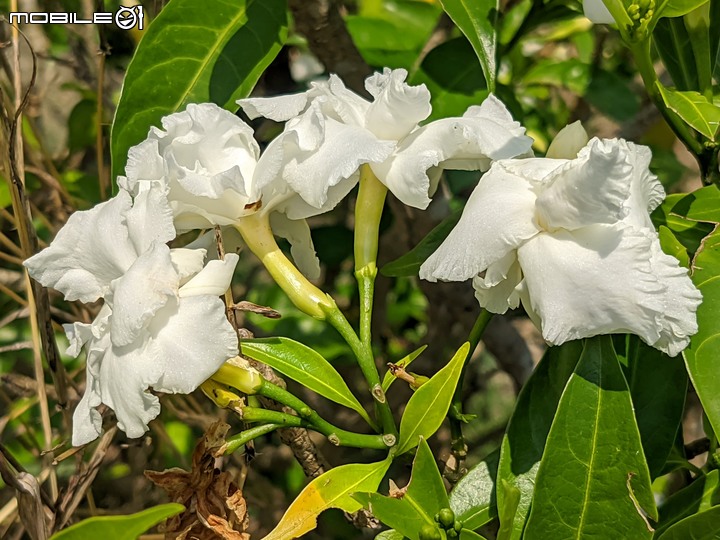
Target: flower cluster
(570, 238)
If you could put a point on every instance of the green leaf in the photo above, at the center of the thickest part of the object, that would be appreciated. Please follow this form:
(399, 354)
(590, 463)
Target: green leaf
(425, 497)
(119, 527)
(702, 357)
(696, 23)
(390, 534)
(388, 379)
(304, 365)
(672, 246)
(410, 263)
(694, 109)
(454, 78)
(473, 497)
(658, 385)
(678, 8)
(688, 232)
(195, 52)
(714, 31)
(332, 489)
(477, 19)
(593, 480)
(429, 405)
(612, 96)
(699, 496)
(524, 441)
(701, 205)
(507, 510)
(702, 526)
(673, 43)
(467, 534)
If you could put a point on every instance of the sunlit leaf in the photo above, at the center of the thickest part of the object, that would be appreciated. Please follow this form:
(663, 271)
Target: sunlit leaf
(702, 494)
(119, 527)
(304, 365)
(593, 480)
(524, 441)
(695, 109)
(429, 405)
(473, 497)
(332, 489)
(195, 52)
(701, 526)
(388, 379)
(477, 19)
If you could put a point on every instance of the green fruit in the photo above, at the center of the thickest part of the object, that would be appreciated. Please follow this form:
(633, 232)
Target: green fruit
(446, 518)
(430, 532)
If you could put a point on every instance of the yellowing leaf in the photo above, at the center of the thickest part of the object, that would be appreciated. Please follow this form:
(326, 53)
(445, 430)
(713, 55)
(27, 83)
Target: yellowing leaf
(330, 490)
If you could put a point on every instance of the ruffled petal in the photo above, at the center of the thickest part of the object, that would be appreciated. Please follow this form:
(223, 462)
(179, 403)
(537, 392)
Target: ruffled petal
(588, 190)
(295, 207)
(147, 286)
(677, 321)
(213, 280)
(497, 289)
(187, 261)
(568, 142)
(144, 164)
(646, 191)
(497, 219)
(190, 342)
(150, 220)
(397, 107)
(87, 421)
(297, 232)
(277, 108)
(91, 250)
(470, 143)
(596, 280)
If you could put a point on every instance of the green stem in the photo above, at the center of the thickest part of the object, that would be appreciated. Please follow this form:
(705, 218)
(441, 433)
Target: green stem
(312, 419)
(455, 415)
(244, 437)
(641, 53)
(366, 361)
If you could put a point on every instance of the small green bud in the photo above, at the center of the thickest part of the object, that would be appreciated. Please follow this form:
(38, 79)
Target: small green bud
(430, 532)
(446, 518)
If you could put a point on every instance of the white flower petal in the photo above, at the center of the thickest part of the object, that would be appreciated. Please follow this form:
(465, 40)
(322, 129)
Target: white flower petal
(212, 280)
(297, 232)
(296, 208)
(497, 219)
(188, 261)
(468, 143)
(397, 107)
(144, 164)
(277, 108)
(90, 251)
(191, 342)
(87, 422)
(147, 286)
(568, 142)
(497, 291)
(597, 12)
(677, 320)
(150, 220)
(646, 192)
(588, 190)
(596, 280)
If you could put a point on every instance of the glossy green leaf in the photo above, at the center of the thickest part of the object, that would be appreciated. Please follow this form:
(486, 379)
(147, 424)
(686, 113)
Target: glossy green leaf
(467, 534)
(508, 509)
(454, 78)
(672, 246)
(612, 95)
(477, 19)
(388, 379)
(524, 441)
(696, 23)
(429, 405)
(195, 52)
(702, 526)
(410, 263)
(390, 534)
(473, 497)
(672, 41)
(701, 205)
(658, 385)
(678, 8)
(702, 357)
(593, 480)
(688, 232)
(703, 493)
(714, 31)
(304, 365)
(332, 489)
(695, 109)
(119, 527)
(425, 496)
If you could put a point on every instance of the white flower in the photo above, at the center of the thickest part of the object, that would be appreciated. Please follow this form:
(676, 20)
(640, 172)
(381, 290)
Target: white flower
(597, 12)
(573, 241)
(162, 324)
(331, 131)
(206, 158)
